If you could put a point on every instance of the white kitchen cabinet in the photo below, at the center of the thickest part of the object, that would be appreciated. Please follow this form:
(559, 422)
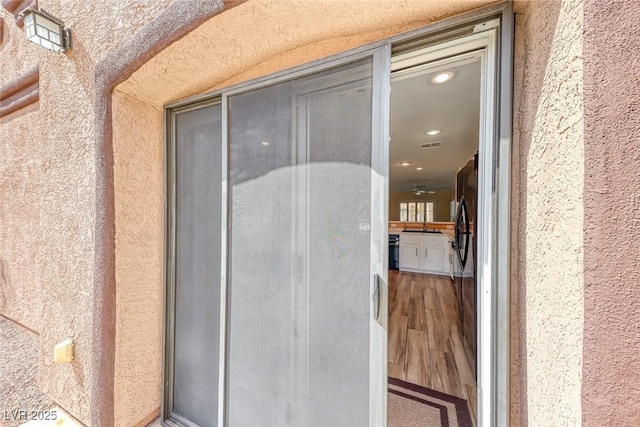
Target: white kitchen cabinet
(433, 259)
(409, 258)
(424, 253)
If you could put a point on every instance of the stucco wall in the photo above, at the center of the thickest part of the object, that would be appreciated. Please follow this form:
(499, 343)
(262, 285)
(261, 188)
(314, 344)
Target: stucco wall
(50, 204)
(51, 172)
(611, 388)
(263, 36)
(20, 209)
(22, 167)
(139, 264)
(548, 188)
(47, 189)
(547, 267)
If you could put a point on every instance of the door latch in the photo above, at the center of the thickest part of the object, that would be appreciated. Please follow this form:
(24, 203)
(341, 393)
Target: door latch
(376, 296)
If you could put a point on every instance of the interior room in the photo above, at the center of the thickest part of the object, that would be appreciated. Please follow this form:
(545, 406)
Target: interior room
(434, 134)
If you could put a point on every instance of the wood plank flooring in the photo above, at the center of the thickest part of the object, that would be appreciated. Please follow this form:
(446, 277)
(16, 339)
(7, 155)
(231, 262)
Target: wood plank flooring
(425, 346)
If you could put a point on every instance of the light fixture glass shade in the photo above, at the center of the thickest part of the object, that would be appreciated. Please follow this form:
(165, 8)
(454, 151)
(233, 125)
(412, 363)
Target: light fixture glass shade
(442, 77)
(46, 31)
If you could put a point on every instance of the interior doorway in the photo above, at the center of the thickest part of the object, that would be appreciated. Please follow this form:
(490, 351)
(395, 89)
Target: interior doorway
(435, 132)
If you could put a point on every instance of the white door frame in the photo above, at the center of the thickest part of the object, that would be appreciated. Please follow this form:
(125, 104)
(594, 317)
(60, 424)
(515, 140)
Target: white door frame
(491, 42)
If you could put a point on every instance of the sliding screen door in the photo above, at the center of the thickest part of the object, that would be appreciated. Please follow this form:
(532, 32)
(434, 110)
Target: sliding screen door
(197, 182)
(305, 240)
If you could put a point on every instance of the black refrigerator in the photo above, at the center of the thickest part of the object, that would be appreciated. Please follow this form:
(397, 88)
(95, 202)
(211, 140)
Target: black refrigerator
(466, 253)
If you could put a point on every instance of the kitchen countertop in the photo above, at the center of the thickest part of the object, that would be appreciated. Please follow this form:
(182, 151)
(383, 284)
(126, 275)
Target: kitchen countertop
(449, 233)
(398, 230)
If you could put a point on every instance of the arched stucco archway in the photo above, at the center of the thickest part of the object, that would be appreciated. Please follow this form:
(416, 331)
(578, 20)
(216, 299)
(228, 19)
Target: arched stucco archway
(250, 40)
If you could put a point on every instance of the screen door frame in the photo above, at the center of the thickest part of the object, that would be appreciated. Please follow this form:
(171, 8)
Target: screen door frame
(168, 416)
(378, 264)
(378, 217)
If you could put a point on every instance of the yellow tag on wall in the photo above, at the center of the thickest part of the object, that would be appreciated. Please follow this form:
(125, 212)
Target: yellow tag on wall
(63, 352)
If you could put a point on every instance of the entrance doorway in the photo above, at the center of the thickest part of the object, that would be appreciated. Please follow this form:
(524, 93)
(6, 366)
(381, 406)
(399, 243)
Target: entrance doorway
(277, 214)
(433, 181)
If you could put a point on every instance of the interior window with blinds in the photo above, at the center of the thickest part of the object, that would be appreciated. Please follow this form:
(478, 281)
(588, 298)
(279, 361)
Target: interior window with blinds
(417, 211)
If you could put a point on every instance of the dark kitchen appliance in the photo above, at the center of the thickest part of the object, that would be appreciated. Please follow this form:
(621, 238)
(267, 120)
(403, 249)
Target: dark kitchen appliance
(466, 253)
(394, 251)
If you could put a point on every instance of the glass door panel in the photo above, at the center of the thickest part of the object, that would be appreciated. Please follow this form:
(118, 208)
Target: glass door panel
(300, 240)
(198, 183)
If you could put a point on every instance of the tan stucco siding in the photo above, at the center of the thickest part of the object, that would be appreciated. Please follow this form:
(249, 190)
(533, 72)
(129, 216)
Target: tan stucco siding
(50, 172)
(48, 186)
(548, 157)
(20, 232)
(67, 234)
(22, 168)
(611, 390)
(548, 192)
(139, 262)
(101, 26)
(262, 36)
(47, 235)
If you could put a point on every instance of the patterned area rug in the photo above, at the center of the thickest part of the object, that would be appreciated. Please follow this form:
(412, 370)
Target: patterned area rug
(410, 405)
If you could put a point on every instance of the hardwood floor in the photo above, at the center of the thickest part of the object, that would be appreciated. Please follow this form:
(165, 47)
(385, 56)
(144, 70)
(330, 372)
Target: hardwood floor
(425, 346)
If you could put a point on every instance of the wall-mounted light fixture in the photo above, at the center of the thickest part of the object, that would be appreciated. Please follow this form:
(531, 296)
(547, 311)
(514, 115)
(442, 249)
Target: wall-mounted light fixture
(46, 30)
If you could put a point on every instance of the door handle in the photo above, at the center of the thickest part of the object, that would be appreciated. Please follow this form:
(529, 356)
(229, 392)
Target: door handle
(460, 233)
(426, 252)
(376, 296)
(416, 252)
(467, 233)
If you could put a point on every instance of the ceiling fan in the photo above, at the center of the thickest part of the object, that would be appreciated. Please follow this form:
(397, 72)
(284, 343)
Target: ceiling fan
(418, 190)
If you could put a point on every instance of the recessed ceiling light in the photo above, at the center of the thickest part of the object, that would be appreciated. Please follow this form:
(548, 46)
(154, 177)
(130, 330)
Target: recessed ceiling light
(418, 169)
(431, 192)
(405, 163)
(433, 132)
(265, 143)
(442, 77)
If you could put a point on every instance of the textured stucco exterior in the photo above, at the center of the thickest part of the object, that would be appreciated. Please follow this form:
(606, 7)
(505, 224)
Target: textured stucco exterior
(548, 170)
(236, 41)
(48, 191)
(81, 187)
(20, 211)
(139, 260)
(611, 388)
